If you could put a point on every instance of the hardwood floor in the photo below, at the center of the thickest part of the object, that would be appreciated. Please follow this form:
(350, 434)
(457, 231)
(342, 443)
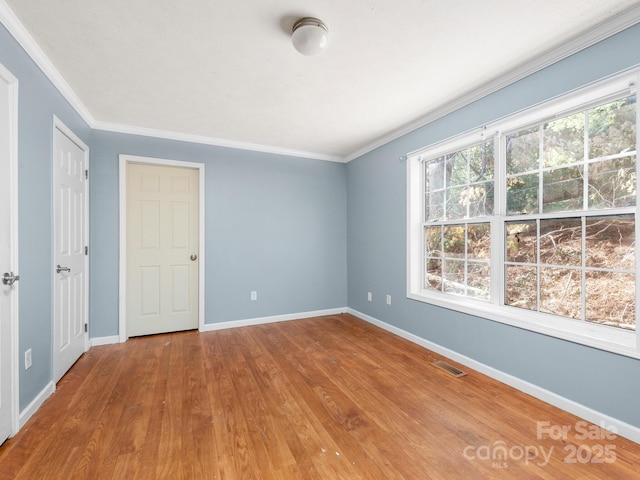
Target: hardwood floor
(322, 398)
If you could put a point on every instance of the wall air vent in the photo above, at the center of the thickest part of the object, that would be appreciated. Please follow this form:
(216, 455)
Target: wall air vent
(456, 372)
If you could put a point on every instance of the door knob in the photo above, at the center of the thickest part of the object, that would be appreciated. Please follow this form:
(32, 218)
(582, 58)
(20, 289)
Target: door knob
(10, 278)
(62, 269)
(193, 257)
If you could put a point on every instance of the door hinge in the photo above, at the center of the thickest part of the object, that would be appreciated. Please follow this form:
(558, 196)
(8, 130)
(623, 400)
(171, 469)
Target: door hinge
(86, 328)
(86, 174)
(86, 250)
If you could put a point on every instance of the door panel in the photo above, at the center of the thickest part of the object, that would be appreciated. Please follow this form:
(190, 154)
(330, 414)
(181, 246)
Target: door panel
(70, 163)
(162, 236)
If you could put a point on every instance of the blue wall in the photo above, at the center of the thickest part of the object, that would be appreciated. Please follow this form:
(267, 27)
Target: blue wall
(38, 102)
(376, 236)
(274, 224)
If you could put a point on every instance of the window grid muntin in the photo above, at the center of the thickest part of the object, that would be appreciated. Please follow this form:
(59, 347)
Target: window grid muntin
(453, 259)
(547, 204)
(586, 160)
(583, 268)
(446, 190)
(486, 180)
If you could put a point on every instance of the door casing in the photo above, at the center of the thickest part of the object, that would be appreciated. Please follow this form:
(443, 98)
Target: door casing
(124, 160)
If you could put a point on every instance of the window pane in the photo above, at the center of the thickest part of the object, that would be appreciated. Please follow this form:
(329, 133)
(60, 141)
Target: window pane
(453, 277)
(434, 174)
(611, 299)
(481, 162)
(478, 280)
(521, 242)
(612, 128)
(433, 241)
(456, 203)
(434, 189)
(523, 151)
(612, 183)
(560, 292)
(434, 207)
(478, 241)
(460, 185)
(563, 189)
(459, 242)
(454, 241)
(521, 287)
(522, 194)
(480, 199)
(563, 140)
(456, 169)
(561, 242)
(433, 277)
(610, 242)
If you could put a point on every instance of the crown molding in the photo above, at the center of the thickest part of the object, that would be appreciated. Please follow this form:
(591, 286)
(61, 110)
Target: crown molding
(33, 50)
(218, 142)
(605, 29)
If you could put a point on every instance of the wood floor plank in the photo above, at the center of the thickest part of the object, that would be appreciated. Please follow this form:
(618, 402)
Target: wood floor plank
(321, 398)
(148, 456)
(371, 408)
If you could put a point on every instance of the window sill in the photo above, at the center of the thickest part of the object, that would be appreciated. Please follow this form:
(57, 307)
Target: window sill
(602, 337)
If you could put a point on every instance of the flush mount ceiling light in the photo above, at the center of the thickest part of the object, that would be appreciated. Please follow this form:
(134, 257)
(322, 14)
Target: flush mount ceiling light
(310, 36)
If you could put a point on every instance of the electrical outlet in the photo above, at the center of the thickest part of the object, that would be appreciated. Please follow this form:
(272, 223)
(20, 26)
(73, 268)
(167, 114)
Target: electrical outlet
(388, 299)
(369, 296)
(254, 296)
(27, 359)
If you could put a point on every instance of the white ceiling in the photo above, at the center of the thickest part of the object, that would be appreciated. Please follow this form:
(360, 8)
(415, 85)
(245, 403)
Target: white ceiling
(226, 70)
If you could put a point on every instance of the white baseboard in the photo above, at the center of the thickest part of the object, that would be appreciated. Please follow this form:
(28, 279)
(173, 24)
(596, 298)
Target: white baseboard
(623, 429)
(97, 341)
(210, 327)
(37, 402)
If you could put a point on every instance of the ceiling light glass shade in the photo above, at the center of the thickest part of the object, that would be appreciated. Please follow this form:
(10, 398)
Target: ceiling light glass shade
(310, 36)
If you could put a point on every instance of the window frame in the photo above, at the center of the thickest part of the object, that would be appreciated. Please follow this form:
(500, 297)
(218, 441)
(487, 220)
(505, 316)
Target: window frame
(613, 339)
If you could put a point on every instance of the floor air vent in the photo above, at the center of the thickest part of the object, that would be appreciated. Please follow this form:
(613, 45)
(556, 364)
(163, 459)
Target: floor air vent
(456, 372)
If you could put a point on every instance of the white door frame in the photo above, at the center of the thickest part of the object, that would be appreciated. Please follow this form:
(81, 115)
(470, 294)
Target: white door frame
(124, 160)
(12, 86)
(59, 125)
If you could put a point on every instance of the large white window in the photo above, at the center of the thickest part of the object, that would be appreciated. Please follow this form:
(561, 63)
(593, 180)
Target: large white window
(457, 236)
(531, 220)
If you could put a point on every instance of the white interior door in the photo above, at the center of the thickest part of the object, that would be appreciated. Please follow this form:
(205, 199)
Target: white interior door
(8, 254)
(70, 172)
(162, 249)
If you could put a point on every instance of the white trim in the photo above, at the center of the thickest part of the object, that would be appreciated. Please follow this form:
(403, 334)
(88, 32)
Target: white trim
(210, 327)
(624, 429)
(36, 403)
(600, 32)
(98, 341)
(14, 367)
(123, 161)
(219, 142)
(59, 124)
